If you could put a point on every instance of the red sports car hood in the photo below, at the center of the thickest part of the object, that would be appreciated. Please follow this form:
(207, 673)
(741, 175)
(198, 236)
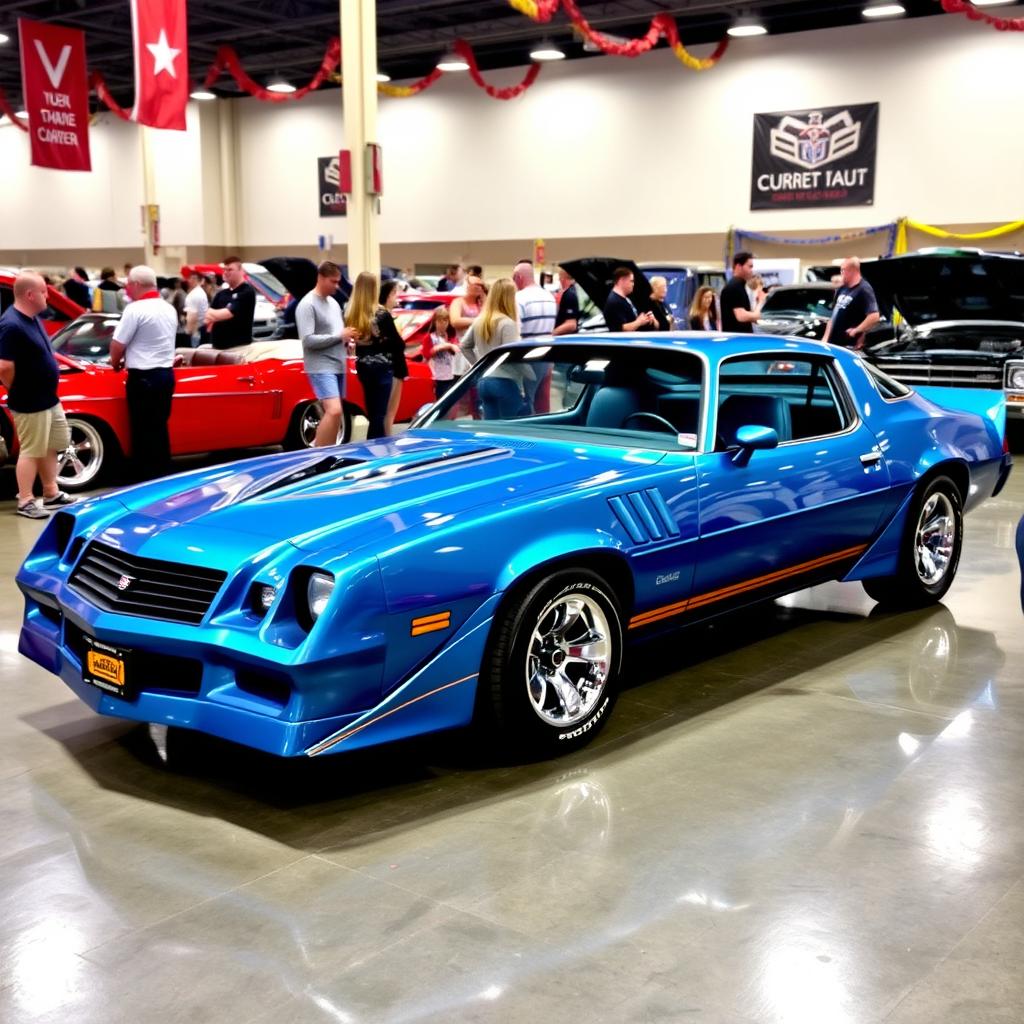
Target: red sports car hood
(369, 493)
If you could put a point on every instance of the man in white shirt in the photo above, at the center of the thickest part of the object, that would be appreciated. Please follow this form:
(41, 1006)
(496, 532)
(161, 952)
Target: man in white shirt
(144, 344)
(537, 312)
(196, 305)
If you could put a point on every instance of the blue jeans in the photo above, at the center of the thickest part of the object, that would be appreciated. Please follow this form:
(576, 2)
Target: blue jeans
(376, 382)
(531, 387)
(501, 398)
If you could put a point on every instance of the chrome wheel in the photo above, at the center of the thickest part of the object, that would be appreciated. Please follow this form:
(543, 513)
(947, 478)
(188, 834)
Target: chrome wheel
(80, 463)
(935, 540)
(568, 659)
(309, 420)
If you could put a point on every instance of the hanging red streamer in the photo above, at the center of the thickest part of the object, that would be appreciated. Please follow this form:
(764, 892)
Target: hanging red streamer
(227, 59)
(465, 51)
(974, 14)
(97, 82)
(402, 91)
(5, 108)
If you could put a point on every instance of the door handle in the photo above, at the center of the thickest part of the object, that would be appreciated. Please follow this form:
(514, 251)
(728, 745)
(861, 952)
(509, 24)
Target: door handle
(870, 458)
(246, 380)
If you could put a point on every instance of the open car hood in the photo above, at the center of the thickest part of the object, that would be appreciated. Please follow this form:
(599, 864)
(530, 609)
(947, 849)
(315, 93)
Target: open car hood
(296, 273)
(953, 284)
(594, 275)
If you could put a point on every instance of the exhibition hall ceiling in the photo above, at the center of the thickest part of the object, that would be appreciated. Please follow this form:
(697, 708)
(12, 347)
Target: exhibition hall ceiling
(287, 38)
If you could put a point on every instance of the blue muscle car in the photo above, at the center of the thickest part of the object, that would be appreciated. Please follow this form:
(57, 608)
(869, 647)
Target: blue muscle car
(489, 565)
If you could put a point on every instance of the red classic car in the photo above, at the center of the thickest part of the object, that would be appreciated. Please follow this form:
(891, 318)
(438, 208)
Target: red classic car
(60, 311)
(240, 398)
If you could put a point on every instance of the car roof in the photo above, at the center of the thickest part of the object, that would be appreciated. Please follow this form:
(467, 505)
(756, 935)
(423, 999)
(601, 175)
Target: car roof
(711, 344)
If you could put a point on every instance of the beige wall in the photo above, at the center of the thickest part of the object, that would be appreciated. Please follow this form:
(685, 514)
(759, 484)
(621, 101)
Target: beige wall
(641, 158)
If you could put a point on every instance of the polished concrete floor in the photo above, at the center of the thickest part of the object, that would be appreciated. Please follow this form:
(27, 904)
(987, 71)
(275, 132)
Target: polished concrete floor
(810, 813)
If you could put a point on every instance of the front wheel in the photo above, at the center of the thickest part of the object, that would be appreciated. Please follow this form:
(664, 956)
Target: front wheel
(86, 458)
(931, 550)
(306, 420)
(551, 677)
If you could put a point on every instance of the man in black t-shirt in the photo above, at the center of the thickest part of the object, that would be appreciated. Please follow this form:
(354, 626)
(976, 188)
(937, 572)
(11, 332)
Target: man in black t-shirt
(567, 319)
(855, 310)
(737, 316)
(619, 312)
(29, 372)
(229, 318)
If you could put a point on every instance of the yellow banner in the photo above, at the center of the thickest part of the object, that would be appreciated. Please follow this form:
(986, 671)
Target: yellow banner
(929, 229)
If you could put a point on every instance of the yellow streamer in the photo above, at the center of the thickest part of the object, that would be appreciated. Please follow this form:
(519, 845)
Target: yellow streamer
(527, 7)
(906, 223)
(694, 63)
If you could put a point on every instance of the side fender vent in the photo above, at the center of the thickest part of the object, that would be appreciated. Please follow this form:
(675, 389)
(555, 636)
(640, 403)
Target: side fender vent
(644, 516)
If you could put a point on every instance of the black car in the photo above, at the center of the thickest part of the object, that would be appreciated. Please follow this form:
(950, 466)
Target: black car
(797, 310)
(960, 320)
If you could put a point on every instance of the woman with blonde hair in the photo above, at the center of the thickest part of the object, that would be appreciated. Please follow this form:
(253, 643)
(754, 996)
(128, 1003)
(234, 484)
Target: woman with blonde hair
(703, 314)
(501, 391)
(380, 351)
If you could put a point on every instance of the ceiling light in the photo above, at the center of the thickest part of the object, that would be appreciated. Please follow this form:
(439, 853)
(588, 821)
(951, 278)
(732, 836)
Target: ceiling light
(992, 3)
(452, 62)
(884, 10)
(4, 38)
(203, 94)
(746, 26)
(23, 114)
(546, 51)
(383, 76)
(281, 86)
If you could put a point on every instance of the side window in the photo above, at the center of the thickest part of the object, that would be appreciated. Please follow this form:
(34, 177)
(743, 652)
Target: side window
(797, 398)
(888, 388)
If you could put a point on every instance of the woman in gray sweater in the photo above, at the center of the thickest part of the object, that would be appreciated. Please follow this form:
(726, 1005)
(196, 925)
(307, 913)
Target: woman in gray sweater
(325, 349)
(501, 391)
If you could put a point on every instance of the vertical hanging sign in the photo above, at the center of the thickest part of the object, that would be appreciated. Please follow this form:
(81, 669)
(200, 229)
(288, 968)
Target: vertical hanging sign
(56, 91)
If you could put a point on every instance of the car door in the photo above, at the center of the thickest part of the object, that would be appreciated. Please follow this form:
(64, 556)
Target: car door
(788, 516)
(223, 405)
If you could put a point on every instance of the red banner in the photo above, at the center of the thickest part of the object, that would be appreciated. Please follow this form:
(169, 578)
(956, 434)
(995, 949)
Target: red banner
(56, 91)
(160, 35)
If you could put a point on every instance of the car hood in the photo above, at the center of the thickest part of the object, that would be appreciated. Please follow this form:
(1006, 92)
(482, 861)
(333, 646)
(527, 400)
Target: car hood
(975, 342)
(359, 494)
(954, 285)
(296, 273)
(594, 275)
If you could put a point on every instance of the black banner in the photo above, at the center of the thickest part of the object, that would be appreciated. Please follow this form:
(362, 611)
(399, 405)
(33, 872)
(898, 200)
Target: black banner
(332, 202)
(819, 157)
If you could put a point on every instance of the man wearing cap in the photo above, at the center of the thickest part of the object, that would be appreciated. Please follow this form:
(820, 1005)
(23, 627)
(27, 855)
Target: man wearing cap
(144, 343)
(29, 372)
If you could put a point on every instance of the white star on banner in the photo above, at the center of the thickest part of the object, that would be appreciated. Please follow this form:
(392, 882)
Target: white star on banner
(163, 55)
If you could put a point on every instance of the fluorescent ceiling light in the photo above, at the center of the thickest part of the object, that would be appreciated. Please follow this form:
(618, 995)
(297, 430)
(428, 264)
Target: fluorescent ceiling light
(280, 85)
(546, 51)
(992, 3)
(203, 94)
(383, 76)
(746, 27)
(886, 10)
(452, 62)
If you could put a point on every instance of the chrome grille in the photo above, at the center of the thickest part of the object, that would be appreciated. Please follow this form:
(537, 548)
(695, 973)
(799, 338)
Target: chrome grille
(940, 375)
(119, 582)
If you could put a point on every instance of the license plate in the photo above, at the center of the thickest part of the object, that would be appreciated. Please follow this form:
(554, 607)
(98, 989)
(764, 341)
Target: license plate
(106, 667)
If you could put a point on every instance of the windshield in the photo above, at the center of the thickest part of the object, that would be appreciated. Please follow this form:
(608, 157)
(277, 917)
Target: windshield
(87, 339)
(799, 302)
(626, 394)
(265, 281)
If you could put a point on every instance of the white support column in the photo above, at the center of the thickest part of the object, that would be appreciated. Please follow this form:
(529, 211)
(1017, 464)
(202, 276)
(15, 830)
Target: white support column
(149, 199)
(359, 98)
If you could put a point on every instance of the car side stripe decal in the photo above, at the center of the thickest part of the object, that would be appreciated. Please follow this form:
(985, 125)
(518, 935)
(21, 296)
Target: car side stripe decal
(701, 600)
(340, 737)
(431, 623)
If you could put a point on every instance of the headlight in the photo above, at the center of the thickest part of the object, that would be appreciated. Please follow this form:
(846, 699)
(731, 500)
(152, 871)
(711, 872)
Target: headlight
(318, 593)
(1017, 378)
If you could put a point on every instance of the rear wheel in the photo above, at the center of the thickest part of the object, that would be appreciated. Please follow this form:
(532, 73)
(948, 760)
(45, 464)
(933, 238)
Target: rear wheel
(307, 418)
(931, 550)
(87, 457)
(552, 674)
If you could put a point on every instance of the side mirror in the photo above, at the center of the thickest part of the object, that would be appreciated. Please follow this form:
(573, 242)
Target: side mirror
(751, 439)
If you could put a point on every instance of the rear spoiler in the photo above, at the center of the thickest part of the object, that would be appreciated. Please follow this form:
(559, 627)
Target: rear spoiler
(989, 405)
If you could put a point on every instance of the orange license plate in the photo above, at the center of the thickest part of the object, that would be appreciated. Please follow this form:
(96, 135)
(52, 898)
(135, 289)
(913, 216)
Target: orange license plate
(105, 666)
